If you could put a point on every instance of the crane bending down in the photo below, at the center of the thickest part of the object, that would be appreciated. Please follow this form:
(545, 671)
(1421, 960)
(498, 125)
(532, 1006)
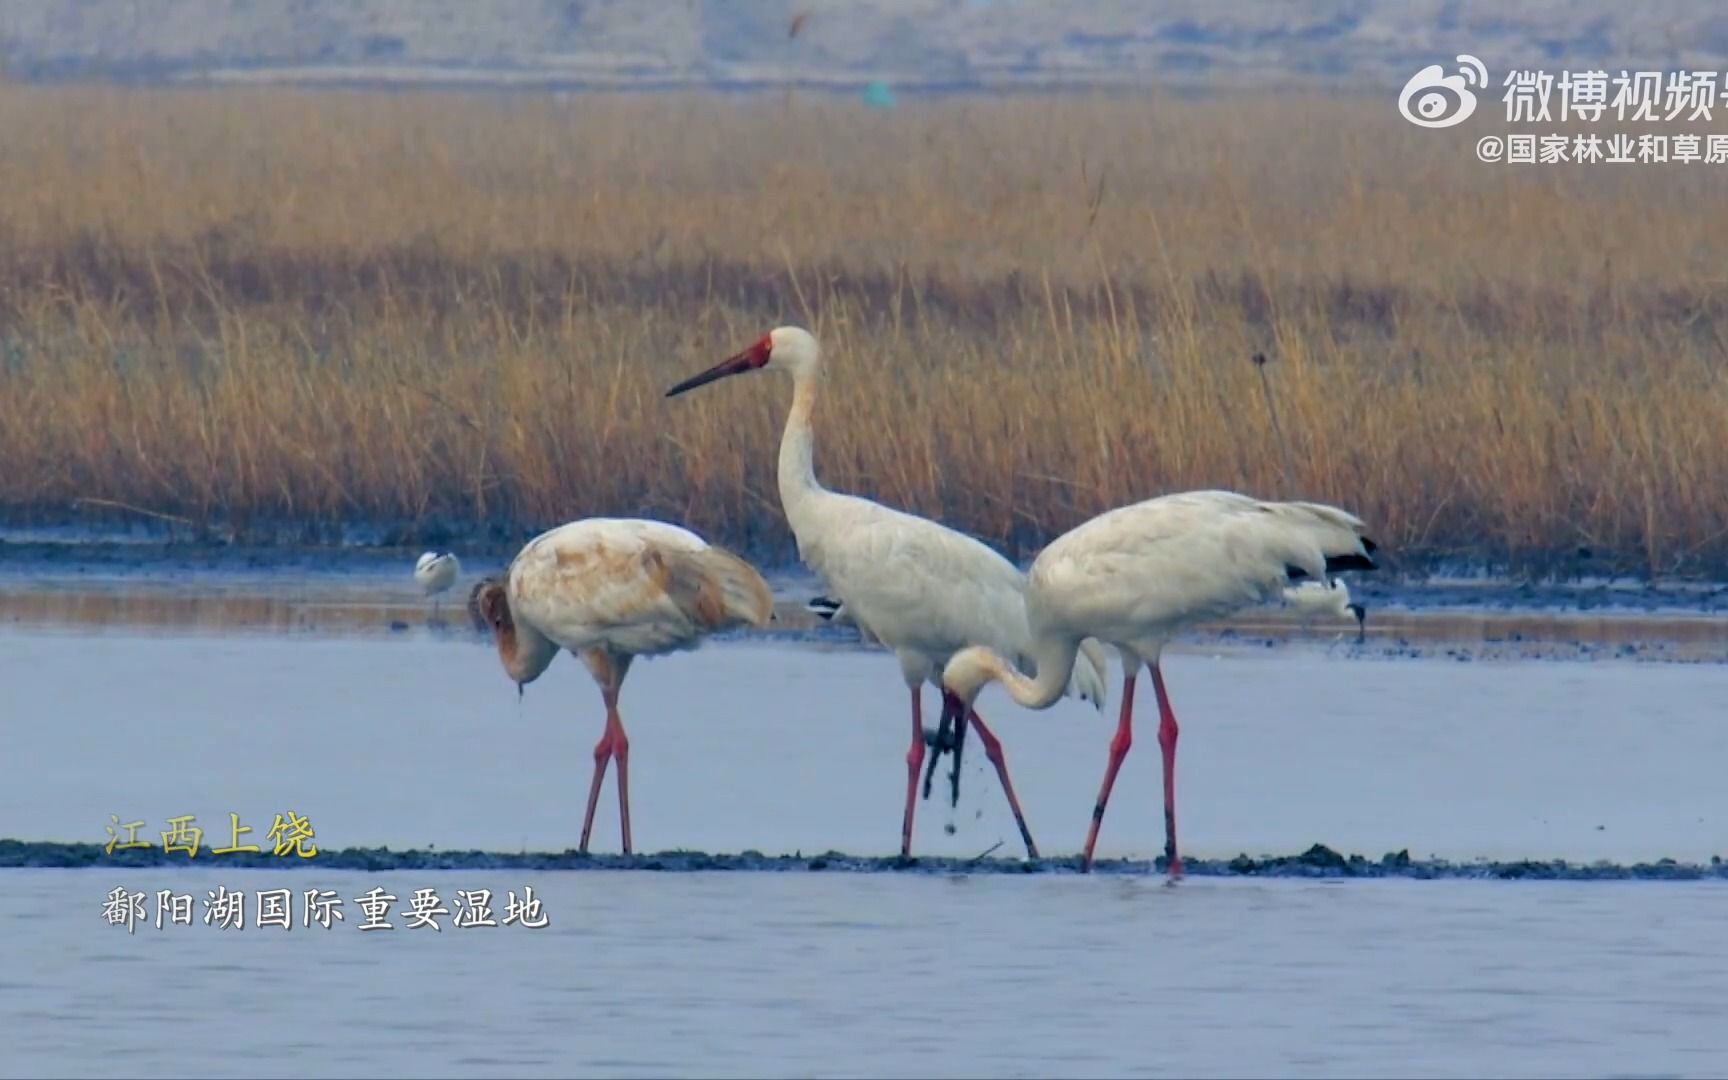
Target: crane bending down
(610, 590)
(923, 590)
(1317, 596)
(1136, 576)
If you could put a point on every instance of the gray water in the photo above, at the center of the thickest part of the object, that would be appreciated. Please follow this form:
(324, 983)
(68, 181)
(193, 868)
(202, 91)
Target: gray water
(640, 974)
(417, 740)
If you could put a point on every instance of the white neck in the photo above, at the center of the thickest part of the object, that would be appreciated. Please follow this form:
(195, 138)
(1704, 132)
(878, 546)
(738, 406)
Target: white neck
(797, 469)
(1054, 658)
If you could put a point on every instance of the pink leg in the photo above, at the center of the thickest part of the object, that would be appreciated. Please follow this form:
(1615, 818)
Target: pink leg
(993, 751)
(1167, 732)
(1118, 750)
(621, 749)
(602, 755)
(914, 762)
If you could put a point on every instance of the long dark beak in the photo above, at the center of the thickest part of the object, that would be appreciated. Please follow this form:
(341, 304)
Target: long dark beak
(942, 739)
(953, 704)
(953, 709)
(733, 365)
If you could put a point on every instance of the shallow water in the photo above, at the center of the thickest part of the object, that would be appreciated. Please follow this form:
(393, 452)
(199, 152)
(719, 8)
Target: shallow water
(361, 595)
(764, 974)
(414, 738)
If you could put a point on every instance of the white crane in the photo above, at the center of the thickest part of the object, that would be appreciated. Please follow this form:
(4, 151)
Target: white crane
(923, 590)
(1135, 577)
(1315, 597)
(610, 590)
(436, 572)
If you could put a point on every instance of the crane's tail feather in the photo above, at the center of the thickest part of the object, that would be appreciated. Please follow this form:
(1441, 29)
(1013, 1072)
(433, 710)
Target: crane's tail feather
(1090, 680)
(717, 589)
(1352, 561)
(1338, 534)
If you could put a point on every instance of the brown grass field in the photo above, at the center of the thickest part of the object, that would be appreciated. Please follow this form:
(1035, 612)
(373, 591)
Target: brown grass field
(457, 315)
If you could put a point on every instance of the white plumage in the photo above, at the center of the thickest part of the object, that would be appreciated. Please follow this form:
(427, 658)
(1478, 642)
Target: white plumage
(435, 572)
(924, 590)
(1318, 598)
(610, 590)
(1137, 576)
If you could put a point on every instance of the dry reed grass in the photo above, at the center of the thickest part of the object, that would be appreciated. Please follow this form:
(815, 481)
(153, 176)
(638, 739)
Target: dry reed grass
(452, 313)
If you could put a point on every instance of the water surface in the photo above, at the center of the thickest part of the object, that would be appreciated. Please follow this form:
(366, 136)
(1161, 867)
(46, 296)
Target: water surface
(640, 974)
(344, 704)
(412, 741)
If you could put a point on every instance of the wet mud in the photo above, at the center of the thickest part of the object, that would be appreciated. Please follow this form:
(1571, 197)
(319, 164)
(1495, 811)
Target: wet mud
(1319, 861)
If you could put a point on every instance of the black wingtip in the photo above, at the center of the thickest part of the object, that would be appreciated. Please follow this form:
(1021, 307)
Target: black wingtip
(1338, 563)
(824, 606)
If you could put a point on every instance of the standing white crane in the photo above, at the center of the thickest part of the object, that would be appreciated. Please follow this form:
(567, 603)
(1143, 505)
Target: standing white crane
(436, 572)
(1315, 597)
(1135, 577)
(923, 590)
(610, 590)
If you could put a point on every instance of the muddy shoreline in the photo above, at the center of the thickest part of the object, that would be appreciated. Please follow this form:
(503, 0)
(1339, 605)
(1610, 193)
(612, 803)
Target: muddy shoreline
(153, 560)
(1319, 861)
(369, 591)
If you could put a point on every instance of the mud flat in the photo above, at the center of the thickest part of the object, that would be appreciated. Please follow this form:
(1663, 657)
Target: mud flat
(1318, 861)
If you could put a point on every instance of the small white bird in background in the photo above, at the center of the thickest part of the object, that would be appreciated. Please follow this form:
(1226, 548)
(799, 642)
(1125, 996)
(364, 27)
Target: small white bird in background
(435, 573)
(610, 590)
(1315, 598)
